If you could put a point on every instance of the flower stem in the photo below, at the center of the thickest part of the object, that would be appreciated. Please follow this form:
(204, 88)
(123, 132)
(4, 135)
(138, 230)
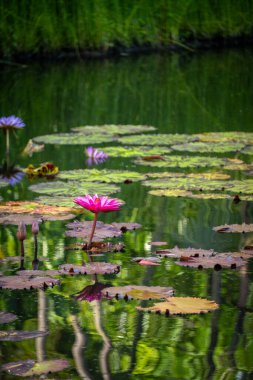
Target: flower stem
(92, 230)
(7, 142)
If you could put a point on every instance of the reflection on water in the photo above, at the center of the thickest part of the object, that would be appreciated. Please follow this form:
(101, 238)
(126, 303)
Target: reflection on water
(106, 339)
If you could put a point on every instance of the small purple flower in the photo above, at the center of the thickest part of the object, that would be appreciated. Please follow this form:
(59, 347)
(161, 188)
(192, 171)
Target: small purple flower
(96, 154)
(11, 122)
(11, 174)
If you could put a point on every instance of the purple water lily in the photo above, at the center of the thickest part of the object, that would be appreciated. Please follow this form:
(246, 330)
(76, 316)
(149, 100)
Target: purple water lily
(8, 123)
(95, 156)
(11, 122)
(11, 174)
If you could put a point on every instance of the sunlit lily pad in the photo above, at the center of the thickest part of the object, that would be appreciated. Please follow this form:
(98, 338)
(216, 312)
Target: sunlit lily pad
(177, 252)
(209, 147)
(182, 305)
(113, 129)
(73, 188)
(201, 195)
(244, 187)
(73, 139)
(7, 317)
(189, 183)
(135, 151)
(170, 193)
(15, 335)
(29, 367)
(241, 137)
(236, 228)
(109, 176)
(138, 292)
(61, 201)
(33, 208)
(217, 262)
(20, 282)
(157, 139)
(176, 161)
(89, 268)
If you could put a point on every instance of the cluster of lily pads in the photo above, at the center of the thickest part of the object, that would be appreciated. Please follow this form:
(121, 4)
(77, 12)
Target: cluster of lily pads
(149, 150)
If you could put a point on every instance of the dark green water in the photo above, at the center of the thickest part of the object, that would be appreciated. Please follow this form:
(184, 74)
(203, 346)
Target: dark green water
(110, 339)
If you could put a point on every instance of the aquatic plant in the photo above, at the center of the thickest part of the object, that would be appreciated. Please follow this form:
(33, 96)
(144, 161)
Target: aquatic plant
(95, 156)
(11, 174)
(8, 123)
(97, 204)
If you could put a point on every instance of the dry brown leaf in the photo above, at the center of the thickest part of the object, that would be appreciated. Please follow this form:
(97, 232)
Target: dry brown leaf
(239, 228)
(181, 305)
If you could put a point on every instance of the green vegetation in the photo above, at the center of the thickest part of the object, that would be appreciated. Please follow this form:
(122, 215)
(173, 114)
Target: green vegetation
(29, 26)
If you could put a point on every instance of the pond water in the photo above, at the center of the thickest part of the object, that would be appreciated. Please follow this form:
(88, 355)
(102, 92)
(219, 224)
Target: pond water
(110, 339)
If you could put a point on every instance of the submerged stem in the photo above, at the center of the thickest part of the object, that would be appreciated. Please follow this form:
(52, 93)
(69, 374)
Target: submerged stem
(7, 142)
(92, 230)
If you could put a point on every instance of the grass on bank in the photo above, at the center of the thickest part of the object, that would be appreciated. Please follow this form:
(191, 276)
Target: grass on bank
(32, 26)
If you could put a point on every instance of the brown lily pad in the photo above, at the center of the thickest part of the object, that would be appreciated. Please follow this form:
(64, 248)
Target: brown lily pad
(83, 230)
(123, 227)
(138, 292)
(27, 368)
(89, 268)
(181, 305)
(7, 317)
(152, 259)
(103, 247)
(23, 282)
(147, 263)
(157, 243)
(239, 228)
(15, 335)
(185, 252)
(217, 262)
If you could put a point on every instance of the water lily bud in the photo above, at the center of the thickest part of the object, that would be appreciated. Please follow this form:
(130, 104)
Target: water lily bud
(35, 227)
(21, 234)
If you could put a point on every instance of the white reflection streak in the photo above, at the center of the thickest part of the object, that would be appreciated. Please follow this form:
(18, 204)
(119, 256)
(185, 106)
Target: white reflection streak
(103, 355)
(42, 325)
(77, 349)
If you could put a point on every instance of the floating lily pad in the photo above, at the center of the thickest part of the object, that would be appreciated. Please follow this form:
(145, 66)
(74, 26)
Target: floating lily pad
(189, 194)
(15, 335)
(83, 230)
(109, 176)
(244, 187)
(217, 262)
(73, 188)
(73, 139)
(113, 129)
(90, 268)
(7, 317)
(15, 219)
(236, 228)
(182, 305)
(189, 183)
(10, 258)
(209, 147)
(103, 247)
(177, 252)
(29, 367)
(157, 243)
(19, 282)
(152, 259)
(135, 151)
(157, 139)
(248, 150)
(176, 161)
(64, 201)
(138, 292)
(241, 137)
(171, 193)
(123, 227)
(31, 208)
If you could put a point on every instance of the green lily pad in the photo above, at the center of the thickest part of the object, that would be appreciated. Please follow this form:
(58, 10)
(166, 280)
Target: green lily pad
(157, 139)
(15, 336)
(205, 176)
(73, 188)
(188, 194)
(112, 129)
(138, 292)
(241, 137)
(188, 184)
(28, 368)
(108, 176)
(73, 139)
(209, 147)
(135, 151)
(33, 208)
(57, 200)
(244, 187)
(176, 161)
(248, 150)
(7, 317)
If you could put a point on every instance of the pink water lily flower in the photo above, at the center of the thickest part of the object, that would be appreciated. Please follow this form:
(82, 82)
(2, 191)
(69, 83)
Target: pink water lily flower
(94, 153)
(97, 204)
